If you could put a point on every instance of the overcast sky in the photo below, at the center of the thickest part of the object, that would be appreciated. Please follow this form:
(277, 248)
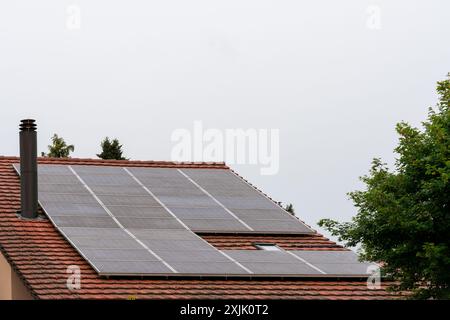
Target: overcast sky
(333, 76)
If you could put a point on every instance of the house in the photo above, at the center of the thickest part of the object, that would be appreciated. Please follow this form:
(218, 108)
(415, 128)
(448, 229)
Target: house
(37, 254)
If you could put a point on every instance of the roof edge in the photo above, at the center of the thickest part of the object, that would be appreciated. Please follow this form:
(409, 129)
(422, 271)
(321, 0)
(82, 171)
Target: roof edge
(150, 163)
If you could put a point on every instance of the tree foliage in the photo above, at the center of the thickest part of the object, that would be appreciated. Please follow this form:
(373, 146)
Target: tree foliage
(111, 149)
(59, 148)
(403, 217)
(290, 208)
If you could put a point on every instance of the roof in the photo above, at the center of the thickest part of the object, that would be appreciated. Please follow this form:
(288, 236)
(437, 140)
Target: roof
(40, 256)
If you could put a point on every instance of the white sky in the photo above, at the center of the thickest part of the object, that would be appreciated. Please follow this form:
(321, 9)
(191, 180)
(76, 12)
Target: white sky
(138, 70)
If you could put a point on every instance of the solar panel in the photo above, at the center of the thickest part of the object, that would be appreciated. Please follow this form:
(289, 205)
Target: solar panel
(74, 198)
(210, 268)
(139, 211)
(73, 209)
(246, 202)
(56, 179)
(163, 234)
(194, 244)
(186, 256)
(83, 243)
(262, 256)
(272, 225)
(271, 262)
(124, 199)
(177, 201)
(51, 170)
(150, 223)
(84, 221)
(107, 180)
(118, 190)
(335, 262)
(119, 255)
(255, 214)
(200, 213)
(167, 191)
(104, 233)
(61, 188)
(131, 268)
(212, 225)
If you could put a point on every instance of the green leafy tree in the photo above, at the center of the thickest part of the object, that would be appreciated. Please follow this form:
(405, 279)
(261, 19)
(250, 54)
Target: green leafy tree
(59, 148)
(403, 217)
(290, 208)
(111, 150)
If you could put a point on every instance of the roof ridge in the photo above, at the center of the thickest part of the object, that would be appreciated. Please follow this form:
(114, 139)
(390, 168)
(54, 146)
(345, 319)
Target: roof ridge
(44, 160)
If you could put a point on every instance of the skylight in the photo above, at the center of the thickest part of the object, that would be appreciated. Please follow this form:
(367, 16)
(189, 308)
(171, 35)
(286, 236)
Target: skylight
(267, 246)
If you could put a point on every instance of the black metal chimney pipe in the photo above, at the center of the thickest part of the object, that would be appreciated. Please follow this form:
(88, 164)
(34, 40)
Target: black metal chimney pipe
(28, 169)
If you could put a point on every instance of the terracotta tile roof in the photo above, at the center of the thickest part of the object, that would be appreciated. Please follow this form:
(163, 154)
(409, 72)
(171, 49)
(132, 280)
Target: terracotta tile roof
(40, 256)
(292, 242)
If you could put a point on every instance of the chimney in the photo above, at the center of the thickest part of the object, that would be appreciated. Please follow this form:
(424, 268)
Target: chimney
(28, 169)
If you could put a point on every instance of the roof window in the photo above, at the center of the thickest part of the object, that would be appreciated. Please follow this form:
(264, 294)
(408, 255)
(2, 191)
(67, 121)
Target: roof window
(267, 246)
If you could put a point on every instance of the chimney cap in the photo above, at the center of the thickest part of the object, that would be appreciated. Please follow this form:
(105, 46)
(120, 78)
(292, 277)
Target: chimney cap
(28, 125)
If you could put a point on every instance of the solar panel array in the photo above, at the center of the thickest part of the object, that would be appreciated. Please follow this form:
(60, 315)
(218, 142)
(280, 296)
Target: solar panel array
(140, 221)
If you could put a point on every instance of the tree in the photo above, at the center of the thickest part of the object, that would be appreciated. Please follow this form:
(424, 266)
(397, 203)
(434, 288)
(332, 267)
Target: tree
(111, 150)
(59, 148)
(290, 208)
(403, 217)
